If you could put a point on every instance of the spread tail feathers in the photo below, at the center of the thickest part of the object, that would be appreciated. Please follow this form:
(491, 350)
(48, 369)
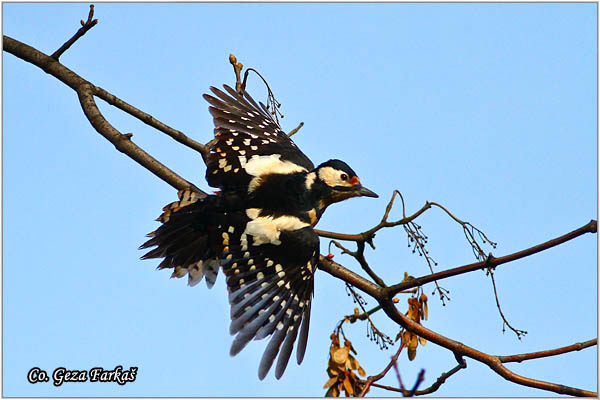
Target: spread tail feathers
(183, 239)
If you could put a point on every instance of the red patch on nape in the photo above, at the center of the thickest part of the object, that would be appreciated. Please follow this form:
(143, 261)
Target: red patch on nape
(354, 180)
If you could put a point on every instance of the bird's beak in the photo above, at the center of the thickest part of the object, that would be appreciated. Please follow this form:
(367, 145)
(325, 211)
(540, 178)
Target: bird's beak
(363, 191)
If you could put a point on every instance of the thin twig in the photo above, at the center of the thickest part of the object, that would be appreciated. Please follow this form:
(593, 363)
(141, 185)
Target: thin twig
(360, 257)
(369, 381)
(237, 69)
(373, 332)
(296, 129)
(520, 333)
(434, 387)
(85, 26)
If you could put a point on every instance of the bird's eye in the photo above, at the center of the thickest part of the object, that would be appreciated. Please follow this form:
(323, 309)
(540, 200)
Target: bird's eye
(344, 177)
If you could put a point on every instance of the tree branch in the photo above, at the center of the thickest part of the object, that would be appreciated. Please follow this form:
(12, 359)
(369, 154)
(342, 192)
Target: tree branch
(85, 91)
(492, 361)
(151, 121)
(124, 144)
(548, 353)
(492, 262)
(85, 26)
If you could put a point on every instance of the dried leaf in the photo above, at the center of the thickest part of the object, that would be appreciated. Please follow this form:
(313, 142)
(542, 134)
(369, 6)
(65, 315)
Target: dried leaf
(330, 382)
(361, 371)
(335, 392)
(423, 303)
(348, 386)
(412, 346)
(351, 363)
(412, 353)
(340, 356)
(413, 309)
(332, 392)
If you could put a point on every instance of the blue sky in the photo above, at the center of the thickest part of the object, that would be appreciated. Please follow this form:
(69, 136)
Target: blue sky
(489, 109)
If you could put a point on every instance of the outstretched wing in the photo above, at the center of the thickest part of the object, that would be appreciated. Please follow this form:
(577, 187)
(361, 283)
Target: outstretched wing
(270, 282)
(248, 142)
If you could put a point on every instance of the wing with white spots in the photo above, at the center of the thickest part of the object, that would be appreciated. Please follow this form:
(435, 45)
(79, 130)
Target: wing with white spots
(270, 282)
(249, 142)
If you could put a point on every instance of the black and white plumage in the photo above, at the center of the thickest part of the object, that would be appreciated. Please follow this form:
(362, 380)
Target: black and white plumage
(258, 228)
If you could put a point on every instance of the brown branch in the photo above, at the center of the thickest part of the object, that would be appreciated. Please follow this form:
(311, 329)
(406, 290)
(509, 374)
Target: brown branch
(359, 255)
(492, 361)
(367, 236)
(459, 349)
(85, 91)
(85, 26)
(296, 129)
(338, 271)
(492, 262)
(548, 353)
(151, 121)
(124, 144)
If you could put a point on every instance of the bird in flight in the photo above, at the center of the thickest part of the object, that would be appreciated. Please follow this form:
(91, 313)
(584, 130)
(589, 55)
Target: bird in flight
(258, 228)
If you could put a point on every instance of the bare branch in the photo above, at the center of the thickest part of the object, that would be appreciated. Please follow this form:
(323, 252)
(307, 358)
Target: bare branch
(459, 349)
(492, 361)
(368, 235)
(492, 262)
(85, 26)
(150, 120)
(548, 353)
(85, 91)
(124, 144)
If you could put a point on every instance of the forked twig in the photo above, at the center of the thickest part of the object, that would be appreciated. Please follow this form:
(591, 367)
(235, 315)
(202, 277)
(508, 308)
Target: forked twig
(85, 26)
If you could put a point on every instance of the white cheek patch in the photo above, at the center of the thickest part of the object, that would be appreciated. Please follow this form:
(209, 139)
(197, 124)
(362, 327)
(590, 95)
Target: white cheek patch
(267, 229)
(258, 166)
(331, 177)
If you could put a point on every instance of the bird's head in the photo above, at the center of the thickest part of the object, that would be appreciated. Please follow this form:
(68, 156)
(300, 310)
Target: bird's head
(336, 181)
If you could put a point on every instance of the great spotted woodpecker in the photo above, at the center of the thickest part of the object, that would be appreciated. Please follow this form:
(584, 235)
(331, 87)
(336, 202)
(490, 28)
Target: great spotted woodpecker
(258, 228)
